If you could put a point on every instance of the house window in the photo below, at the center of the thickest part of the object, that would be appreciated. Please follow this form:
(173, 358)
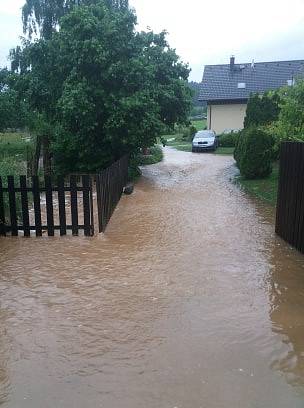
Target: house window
(241, 85)
(290, 82)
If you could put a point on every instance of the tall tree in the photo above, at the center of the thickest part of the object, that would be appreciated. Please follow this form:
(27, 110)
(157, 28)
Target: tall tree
(99, 89)
(42, 18)
(121, 90)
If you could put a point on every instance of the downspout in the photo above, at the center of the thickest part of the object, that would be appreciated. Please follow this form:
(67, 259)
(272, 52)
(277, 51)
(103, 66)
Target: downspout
(210, 117)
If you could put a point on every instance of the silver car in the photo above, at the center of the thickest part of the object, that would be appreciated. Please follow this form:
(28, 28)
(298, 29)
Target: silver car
(204, 140)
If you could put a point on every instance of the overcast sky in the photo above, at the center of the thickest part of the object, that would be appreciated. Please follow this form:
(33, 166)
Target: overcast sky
(203, 32)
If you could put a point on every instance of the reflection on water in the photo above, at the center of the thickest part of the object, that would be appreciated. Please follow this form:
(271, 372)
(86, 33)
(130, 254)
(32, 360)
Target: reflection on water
(188, 300)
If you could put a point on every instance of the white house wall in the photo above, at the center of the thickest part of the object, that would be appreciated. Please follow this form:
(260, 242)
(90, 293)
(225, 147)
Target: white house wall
(228, 116)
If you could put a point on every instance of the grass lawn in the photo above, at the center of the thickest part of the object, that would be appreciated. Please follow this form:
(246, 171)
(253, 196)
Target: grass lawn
(14, 145)
(225, 150)
(13, 154)
(266, 189)
(177, 142)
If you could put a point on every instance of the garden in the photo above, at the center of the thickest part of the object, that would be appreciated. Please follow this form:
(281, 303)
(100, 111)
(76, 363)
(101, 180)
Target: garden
(270, 119)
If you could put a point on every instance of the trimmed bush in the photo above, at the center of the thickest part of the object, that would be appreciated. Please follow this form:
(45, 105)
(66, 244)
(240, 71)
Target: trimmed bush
(239, 148)
(228, 139)
(253, 153)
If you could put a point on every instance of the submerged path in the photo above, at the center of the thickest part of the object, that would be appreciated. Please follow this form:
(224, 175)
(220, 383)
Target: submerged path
(189, 300)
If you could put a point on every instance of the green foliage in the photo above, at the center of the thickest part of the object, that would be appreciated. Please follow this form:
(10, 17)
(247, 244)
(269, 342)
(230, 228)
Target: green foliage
(197, 111)
(12, 109)
(229, 139)
(262, 110)
(202, 107)
(43, 16)
(11, 166)
(290, 124)
(15, 145)
(200, 124)
(134, 163)
(155, 155)
(188, 133)
(253, 153)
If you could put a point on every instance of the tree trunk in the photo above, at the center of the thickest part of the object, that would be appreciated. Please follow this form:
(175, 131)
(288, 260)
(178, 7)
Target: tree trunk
(47, 165)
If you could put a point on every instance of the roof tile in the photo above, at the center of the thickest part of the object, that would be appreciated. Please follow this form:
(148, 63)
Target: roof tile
(219, 82)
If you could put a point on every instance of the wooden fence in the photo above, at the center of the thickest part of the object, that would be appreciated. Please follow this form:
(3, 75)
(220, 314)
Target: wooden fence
(27, 205)
(109, 187)
(290, 204)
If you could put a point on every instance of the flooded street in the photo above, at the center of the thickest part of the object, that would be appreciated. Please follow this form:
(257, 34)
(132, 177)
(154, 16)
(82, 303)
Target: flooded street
(188, 301)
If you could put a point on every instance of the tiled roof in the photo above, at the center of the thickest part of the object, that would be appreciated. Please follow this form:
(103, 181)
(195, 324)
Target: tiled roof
(220, 82)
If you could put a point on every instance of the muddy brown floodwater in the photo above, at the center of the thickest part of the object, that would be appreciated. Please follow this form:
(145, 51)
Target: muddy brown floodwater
(189, 300)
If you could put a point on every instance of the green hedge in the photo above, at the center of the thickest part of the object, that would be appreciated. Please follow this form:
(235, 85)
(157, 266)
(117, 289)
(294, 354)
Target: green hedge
(254, 153)
(228, 139)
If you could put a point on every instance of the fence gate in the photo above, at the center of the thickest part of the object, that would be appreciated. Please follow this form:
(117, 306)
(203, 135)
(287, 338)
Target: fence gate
(290, 204)
(26, 205)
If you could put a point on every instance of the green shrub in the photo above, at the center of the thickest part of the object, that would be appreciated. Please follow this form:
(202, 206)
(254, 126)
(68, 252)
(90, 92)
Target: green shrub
(254, 153)
(134, 163)
(138, 159)
(156, 155)
(262, 109)
(188, 133)
(228, 139)
(239, 148)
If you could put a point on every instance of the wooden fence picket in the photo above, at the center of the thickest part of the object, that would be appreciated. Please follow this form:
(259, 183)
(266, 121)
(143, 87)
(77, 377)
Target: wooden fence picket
(61, 206)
